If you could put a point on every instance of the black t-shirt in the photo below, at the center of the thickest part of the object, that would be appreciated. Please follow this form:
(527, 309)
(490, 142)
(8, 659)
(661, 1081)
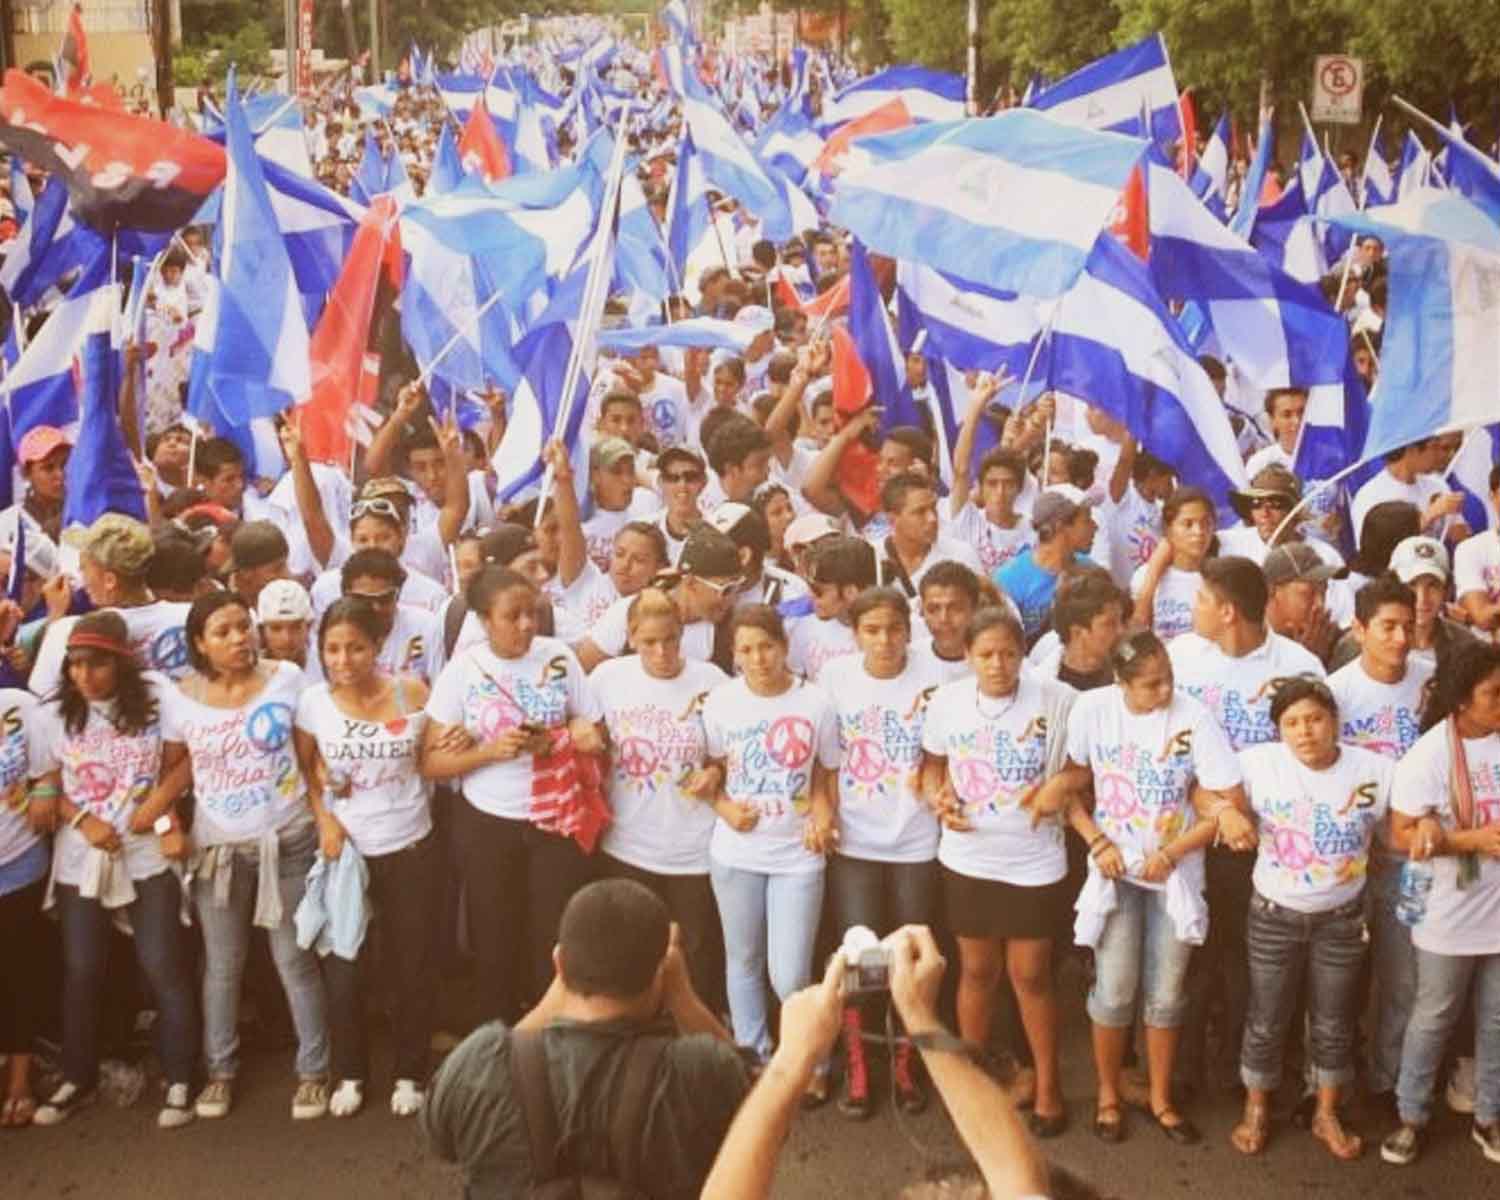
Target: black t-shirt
(1084, 681)
(473, 1115)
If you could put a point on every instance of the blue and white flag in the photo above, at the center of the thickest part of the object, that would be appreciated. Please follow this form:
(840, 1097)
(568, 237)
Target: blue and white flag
(1012, 202)
(969, 326)
(870, 329)
(1473, 467)
(260, 357)
(700, 333)
(1468, 170)
(928, 96)
(1213, 168)
(1278, 331)
(280, 133)
(1378, 185)
(370, 176)
(1245, 216)
(100, 478)
(731, 166)
(447, 169)
(674, 15)
(1415, 168)
(1115, 345)
(789, 143)
(1113, 91)
(1286, 234)
(641, 267)
(21, 199)
(45, 247)
(689, 215)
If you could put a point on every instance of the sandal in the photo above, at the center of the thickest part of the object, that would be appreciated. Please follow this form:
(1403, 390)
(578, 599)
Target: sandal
(1182, 1131)
(1109, 1123)
(1254, 1130)
(1343, 1145)
(16, 1112)
(817, 1091)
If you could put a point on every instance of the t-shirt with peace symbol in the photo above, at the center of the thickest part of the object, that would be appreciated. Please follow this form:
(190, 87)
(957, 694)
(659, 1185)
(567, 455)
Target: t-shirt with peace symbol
(1172, 605)
(1144, 765)
(16, 837)
(881, 815)
(812, 643)
(656, 731)
(1315, 827)
(246, 781)
(1238, 690)
(374, 789)
(769, 745)
(106, 772)
(996, 750)
(157, 635)
(1383, 717)
(1460, 920)
(489, 695)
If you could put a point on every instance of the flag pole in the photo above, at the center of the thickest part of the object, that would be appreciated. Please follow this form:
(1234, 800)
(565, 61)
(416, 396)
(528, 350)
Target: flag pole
(424, 376)
(1364, 174)
(594, 292)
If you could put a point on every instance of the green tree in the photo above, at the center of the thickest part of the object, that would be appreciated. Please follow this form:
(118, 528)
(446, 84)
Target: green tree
(1433, 53)
(1054, 37)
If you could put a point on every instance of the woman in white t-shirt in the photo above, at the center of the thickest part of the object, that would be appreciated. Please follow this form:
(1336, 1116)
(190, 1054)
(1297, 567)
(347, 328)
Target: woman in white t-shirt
(97, 746)
(660, 792)
(1139, 748)
(514, 695)
(358, 737)
(884, 874)
(1450, 819)
(1164, 588)
(254, 839)
(773, 738)
(988, 742)
(25, 817)
(1316, 805)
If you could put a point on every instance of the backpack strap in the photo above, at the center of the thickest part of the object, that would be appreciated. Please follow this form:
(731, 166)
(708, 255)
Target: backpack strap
(453, 622)
(528, 1072)
(632, 1106)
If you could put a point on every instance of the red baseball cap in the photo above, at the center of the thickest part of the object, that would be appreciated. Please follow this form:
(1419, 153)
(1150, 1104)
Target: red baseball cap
(39, 442)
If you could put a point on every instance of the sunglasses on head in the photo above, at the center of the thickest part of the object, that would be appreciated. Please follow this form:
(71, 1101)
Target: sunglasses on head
(379, 507)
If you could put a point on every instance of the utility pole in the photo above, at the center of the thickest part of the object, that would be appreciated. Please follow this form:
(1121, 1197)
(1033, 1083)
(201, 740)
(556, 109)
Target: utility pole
(161, 51)
(971, 88)
(374, 41)
(289, 16)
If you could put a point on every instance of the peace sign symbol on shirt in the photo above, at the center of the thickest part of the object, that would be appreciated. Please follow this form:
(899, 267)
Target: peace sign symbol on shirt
(865, 760)
(638, 757)
(270, 727)
(169, 650)
(975, 780)
(789, 742)
(94, 781)
(1115, 795)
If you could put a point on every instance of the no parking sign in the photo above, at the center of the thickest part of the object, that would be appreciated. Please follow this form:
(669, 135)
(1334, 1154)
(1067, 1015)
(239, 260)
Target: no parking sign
(1338, 89)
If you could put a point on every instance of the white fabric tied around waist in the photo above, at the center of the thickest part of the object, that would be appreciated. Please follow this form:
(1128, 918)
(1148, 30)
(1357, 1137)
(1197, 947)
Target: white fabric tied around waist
(1186, 906)
(216, 864)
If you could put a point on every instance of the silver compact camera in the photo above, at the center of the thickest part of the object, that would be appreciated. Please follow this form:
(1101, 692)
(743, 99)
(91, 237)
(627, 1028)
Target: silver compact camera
(867, 962)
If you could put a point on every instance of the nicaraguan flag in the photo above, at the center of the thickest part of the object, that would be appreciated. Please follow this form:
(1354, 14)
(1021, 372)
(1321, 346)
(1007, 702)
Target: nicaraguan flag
(731, 166)
(1470, 472)
(968, 326)
(101, 478)
(700, 333)
(1112, 92)
(1415, 167)
(1213, 167)
(928, 95)
(43, 382)
(447, 170)
(1012, 202)
(1379, 184)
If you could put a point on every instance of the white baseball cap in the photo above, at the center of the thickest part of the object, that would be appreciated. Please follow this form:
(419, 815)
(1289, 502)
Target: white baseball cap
(283, 600)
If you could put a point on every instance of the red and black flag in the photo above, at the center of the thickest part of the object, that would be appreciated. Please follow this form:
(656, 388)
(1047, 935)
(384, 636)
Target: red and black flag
(122, 171)
(73, 58)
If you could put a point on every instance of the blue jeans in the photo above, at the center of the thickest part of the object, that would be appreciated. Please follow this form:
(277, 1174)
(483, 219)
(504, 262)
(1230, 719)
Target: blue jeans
(159, 948)
(1139, 950)
(768, 920)
(1443, 982)
(226, 941)
(1393, 960)
(1285, 944)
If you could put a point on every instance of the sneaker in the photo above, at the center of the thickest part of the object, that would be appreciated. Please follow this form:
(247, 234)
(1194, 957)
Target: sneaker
(407, 1098)
(855, 1102)
(1461, 1087)
(347, 1099)
(214, 1100)
(310, 1100)
(61, 1105)
(175, 1110)
(1487, 1138)
(1403, 1147)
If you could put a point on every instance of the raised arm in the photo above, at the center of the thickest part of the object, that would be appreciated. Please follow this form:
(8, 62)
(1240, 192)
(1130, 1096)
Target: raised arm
(820, 488)
(985, 389)
(305, 489)
(381, 452)
(572, 549)
(455, 508)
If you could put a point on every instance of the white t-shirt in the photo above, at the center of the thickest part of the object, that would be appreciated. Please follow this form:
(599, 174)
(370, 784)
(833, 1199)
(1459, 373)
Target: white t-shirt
(600, 529)
(881, 815)
(414, 646)
(577, 607)
(1459, 921)
(664, 405)
(1237, 690)
(1322, 506)
(1130, 531)
(489, 695)
(246, 781)
(1383, 717)
(769, 745)
(611, 633)
(992, 544)
(943, 550)
(946, 669)
(106, 772)
(657, 739)
(813, 642)
(1315, 827)
(1246, 542)
(1144, 765)
(157, 635)
(376, 793)
(1384, 486)
(1476, 566)
(16, 715)
(417, 592)
(1172, 606)
(996, 751)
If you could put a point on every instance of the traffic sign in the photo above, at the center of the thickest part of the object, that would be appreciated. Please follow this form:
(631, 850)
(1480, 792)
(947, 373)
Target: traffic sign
(1338, 89)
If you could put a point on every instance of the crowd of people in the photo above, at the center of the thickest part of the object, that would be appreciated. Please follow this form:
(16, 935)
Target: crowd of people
(1043, 704)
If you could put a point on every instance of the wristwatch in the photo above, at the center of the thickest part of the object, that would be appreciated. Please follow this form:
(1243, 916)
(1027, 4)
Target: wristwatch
(163, 825)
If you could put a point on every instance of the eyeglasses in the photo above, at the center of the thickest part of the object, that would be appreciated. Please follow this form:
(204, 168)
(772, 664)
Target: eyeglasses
(382, 599)
(683, 477)
(727, 587)
(379, 507)
(1270, 502)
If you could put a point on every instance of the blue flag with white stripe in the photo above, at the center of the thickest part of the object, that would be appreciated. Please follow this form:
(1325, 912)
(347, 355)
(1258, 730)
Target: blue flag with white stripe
(1111, 93)
(1470, 472)
(101, 478)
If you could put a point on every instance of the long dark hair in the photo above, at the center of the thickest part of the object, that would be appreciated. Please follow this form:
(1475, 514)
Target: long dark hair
(197, 622)
(1455, 683)
(135, 708)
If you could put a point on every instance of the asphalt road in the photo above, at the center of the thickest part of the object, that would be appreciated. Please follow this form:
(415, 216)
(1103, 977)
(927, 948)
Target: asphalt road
(118, 1154)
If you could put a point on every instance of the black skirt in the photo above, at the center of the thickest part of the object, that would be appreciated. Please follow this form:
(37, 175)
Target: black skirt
(987, 908)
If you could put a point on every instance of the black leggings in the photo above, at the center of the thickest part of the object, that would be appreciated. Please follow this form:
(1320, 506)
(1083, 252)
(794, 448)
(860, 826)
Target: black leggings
(24, 934)
(517, 881)
(690, 900)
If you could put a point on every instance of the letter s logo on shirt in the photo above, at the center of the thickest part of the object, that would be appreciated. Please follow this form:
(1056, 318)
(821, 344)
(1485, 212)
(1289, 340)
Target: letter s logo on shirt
(1363, 796)
(555, 671)
(1179, 745)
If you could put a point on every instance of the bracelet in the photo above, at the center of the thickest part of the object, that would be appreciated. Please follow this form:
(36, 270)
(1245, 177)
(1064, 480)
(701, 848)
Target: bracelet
(1099, 840)
(78, 817)
(45, 791)
(943, 1042)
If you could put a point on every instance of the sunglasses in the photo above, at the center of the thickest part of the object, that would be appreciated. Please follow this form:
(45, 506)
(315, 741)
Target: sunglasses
(1270, 502)
(728, 587)
(379, 507)
(683, 477)
(378, 598)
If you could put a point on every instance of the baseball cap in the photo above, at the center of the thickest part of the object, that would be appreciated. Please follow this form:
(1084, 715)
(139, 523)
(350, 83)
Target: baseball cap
(283, 600)
(116, 542)
(1415, 557)
(1293, 561)
(1057, 505)
(809, 528)
(709, 554)
(678, 454)
(40, 441)
(256, 544)
(743, 525)
(606, 452)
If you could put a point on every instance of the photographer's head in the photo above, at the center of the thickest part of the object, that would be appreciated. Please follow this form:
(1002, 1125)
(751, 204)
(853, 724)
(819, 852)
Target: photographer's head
(612, 945)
